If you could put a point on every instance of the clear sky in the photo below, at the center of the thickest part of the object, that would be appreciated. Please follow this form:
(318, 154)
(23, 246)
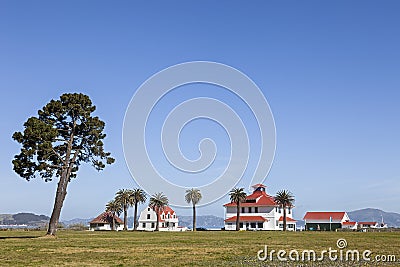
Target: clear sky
(330, 71)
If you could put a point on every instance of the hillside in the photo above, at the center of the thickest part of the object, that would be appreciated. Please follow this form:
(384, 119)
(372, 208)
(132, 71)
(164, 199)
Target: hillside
(369, 214)
(23, 218)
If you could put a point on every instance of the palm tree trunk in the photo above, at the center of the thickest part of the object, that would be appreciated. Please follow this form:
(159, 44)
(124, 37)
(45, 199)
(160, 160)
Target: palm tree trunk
(158, 219)
(113, 221)
(135, 218)
(237, 216)
(58, 203)
(284, 218)
(125, 217)
(194, 217)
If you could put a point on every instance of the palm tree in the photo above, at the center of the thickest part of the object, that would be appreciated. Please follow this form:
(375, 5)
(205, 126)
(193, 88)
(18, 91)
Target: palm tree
(124, 198)
(193, 196)
(158, 201)
(138, 196)
(237, 196)
(284, 199)
(114, 207)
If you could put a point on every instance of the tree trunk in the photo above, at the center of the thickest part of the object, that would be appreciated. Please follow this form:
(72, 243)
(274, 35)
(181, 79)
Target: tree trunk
(284, 218)
(194, 217)
(113, 222)
(134, 218)
(58, 203)
(158, 219)
(238, 216)
(125, 218)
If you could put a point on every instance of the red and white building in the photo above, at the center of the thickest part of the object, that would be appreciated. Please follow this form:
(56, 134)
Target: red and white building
(258, 212)
(325, 220)
(368, 224)
(168, 220)
(350, 225)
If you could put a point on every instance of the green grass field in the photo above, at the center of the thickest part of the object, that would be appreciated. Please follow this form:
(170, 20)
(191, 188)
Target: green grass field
(25, 248)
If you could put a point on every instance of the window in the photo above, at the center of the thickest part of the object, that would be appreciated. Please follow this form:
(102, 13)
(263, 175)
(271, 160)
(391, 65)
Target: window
(280, 210)
(148, 216)
(290, 225)
(240, 225)
(162, 216)
(243, 210)
(148, 209)
(276, 209)
(173, 224)
(289, 210)
(256, 209)
(253, 225)
(144, 225)
(168, 216)
(260, 225)
(249, 209)
(163, 225)
(276, 223)
(280, 225)
(153, 225)
(229, 224)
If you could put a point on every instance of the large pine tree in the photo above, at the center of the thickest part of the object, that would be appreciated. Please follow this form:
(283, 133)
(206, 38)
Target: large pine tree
(64, 135)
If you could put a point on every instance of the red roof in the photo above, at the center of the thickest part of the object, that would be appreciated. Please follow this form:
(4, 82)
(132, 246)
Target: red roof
(166, 210)
(368, 223)
(319, 215)
(287, 219)
(106, 217)
(349, 223)
(247, 219)
(258, 198)
(258, 185)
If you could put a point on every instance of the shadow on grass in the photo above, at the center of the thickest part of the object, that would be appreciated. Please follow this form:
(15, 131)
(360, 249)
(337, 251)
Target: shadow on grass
(18, 237)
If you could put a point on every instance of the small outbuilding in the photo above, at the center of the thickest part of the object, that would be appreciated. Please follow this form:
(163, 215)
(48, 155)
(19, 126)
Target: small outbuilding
(104, 222)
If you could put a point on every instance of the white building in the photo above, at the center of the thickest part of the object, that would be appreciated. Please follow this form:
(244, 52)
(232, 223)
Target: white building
(104, 222)
(168, 220)
(258, 212)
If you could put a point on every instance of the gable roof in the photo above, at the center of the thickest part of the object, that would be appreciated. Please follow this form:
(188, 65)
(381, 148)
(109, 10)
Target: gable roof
(107, 217)
(349, 223)
(166, 210)
(287, 219)
(368, 223)
(247, 219)
(323, 215)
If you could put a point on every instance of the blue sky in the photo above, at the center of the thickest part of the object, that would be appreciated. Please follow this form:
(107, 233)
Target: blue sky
(329, 70)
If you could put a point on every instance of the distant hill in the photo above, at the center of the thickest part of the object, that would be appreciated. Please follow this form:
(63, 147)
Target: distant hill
(23, 218)
(375, 215)
(203, 221)
(77, 221)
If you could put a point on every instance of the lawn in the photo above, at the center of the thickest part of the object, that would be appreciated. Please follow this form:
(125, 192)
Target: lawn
(25, 248)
